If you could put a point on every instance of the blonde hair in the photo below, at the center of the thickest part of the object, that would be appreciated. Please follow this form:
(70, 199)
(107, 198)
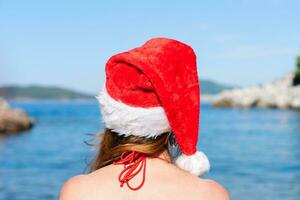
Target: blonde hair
(113, 145)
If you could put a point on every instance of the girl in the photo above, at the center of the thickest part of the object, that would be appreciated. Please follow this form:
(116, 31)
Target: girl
(150, 106)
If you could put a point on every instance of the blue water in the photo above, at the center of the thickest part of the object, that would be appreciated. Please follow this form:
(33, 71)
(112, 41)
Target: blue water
(254, 153)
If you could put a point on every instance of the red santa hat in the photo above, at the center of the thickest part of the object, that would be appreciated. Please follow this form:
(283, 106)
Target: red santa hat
(153, 89)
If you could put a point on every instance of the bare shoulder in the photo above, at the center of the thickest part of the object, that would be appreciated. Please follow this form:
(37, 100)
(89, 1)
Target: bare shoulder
(213, 190)
(83, 186)
(74, 188)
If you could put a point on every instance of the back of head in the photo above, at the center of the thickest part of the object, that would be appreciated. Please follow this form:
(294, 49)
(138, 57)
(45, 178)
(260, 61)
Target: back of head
(112, 145)
(150, 92)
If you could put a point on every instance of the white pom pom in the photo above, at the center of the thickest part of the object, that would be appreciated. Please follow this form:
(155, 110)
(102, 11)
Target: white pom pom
(197, 164)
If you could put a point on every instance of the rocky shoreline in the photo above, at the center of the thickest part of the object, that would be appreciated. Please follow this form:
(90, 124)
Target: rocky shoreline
(13, 120)
(279, 94)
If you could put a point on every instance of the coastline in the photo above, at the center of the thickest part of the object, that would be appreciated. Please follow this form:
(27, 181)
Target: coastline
(206, 98)
(279, 94)
(27, 100)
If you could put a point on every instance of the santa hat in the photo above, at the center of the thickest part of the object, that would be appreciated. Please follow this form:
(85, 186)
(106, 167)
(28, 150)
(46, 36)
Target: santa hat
(154, 89)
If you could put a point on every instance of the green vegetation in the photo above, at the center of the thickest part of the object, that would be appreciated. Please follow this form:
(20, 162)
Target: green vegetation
(210, 87)
(45, 93)
(40, 92)
(296, 80)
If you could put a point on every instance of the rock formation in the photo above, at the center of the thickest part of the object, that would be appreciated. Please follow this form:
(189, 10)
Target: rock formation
(13, 120)
(279, 94)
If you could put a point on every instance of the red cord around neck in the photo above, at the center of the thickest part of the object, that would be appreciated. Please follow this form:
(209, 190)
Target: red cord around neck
(133, 162)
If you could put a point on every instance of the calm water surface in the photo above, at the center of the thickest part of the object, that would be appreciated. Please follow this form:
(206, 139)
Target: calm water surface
(254, 153)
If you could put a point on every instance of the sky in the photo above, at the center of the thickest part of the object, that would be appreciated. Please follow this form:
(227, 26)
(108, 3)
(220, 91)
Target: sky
(67, 43)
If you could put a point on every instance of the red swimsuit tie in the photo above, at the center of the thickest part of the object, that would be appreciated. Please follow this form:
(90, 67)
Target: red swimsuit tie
(133, 163)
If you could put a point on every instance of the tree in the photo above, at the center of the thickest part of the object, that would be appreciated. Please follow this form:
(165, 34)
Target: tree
(296, 80)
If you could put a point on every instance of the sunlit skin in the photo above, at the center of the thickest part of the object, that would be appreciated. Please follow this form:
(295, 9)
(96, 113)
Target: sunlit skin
(164, 180)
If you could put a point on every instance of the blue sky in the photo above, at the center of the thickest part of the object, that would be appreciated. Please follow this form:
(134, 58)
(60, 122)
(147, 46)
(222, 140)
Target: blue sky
(66, 43)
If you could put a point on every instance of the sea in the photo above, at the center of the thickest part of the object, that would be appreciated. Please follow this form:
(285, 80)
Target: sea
(254, 153)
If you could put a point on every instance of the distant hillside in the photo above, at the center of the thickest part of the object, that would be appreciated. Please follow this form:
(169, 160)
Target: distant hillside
(40, 92)
(43, 92)
(211, 87)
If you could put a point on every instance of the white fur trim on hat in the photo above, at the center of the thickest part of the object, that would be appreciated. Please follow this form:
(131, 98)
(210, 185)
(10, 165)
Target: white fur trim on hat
(128, 120)
(197, 164)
